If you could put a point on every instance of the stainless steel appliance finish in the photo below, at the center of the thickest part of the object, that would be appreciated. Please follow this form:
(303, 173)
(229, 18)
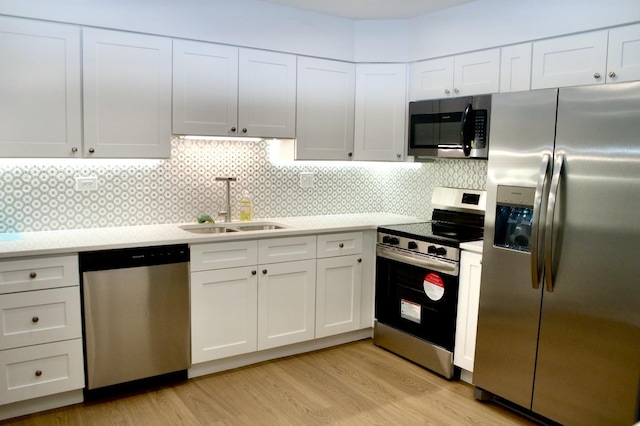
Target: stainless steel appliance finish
(136, 313)
(559, 319)
(417, 278)
(452, 127)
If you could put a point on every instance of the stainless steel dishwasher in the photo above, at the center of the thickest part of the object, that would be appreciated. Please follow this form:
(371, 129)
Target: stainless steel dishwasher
(136, 314)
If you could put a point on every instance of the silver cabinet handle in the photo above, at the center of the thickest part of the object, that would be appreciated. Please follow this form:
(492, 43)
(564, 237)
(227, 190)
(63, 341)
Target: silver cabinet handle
(551, 207)
(537, 233)
(612, 74)
(596, 75)
(447, 91)
(456, 91)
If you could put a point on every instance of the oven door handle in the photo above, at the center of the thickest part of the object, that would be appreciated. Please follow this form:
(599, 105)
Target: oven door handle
(411, 260)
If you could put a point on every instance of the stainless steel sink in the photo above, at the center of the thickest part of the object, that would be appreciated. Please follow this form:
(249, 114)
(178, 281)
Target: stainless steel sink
(207, 228)
(221, 228)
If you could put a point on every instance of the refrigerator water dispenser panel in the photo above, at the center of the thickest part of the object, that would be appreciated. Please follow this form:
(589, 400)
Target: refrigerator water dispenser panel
(514, 217)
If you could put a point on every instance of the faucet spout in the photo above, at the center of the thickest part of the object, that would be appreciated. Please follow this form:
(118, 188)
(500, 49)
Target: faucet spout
(227, 180)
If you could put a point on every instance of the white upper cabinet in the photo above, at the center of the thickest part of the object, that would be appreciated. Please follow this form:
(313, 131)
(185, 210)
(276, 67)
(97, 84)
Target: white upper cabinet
(267, 94)
(569, 61)
(205, 88)
(225, 91)
(461, 75)
(325, 109)
(515, 68)
(380, 112)
(623, 60)
(40, 89)
(127, 95)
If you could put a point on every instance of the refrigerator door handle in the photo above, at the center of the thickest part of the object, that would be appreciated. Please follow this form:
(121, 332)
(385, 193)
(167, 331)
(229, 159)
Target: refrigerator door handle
(536, 230)
(551, 207)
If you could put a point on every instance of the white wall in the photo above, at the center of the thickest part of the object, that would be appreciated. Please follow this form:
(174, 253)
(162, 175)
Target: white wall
(381, 41)
(248, 23)
(490, 23)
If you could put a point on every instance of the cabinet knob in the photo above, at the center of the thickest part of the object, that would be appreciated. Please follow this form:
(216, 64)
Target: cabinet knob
(38, 373)
(35, 319)
(244, 130)
(254, 272)
(74, 149)
(33, 275)
(350, 154)
(456, 91)
(233, 129)
(341, 245)
(359, 260)
(264, 271)
(596, 75)
(91, 150)
(612, 74)
(447, 91)
(398, 155)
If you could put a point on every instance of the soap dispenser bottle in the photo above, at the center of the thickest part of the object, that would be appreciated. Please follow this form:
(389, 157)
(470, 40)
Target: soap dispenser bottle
(245, 207)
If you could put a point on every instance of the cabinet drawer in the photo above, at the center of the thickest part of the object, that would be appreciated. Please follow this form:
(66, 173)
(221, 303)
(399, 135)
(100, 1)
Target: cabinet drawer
(41, 370)
(286, 249)
(38, 273)
(223, 255)
(35, 317)
(330, 245)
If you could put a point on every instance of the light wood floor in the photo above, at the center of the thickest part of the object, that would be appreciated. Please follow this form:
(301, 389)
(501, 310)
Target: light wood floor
(353, 384)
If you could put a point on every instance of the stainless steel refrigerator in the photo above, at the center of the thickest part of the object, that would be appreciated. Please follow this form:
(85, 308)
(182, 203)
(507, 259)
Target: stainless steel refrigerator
(559, 316)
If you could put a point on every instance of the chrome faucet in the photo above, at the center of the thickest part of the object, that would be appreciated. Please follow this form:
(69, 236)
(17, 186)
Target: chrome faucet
(227, 213)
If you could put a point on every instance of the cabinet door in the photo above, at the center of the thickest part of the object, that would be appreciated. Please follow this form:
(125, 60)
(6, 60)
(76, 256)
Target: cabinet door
(477, 73)
(38, 273)
(432, 79)
(467, 315)
(286, 303)
(205, 89)
(325, 108)
(381, 105)
(224, 306)
(515, 68)
(40, 112)
(569, 61)
(127, 94)
(267, 94)
(623, 59)
(338, 295)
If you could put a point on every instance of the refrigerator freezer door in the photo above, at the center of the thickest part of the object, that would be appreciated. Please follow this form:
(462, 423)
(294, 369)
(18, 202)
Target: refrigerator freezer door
(588, 368)
(522, 133)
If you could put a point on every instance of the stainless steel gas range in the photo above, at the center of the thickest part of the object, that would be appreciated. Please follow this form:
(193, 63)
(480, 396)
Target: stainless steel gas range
(417, 277)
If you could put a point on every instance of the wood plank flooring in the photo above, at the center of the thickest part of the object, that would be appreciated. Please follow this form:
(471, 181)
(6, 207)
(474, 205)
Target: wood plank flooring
(352, 384)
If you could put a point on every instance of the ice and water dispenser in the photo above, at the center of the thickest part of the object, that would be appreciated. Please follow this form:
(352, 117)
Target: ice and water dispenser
(514, 217)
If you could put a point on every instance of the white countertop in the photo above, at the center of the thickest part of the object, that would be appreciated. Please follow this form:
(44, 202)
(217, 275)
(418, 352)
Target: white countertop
(474, 246)
(76, 240)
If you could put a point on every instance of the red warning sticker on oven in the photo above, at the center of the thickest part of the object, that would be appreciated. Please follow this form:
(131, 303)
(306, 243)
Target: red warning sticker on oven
(433, 286)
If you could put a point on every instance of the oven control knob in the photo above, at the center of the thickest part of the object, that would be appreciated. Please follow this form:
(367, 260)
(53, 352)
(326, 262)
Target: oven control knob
(441, 251)
(386, 239)
(394, 241)
(412, 245)
(432, 249)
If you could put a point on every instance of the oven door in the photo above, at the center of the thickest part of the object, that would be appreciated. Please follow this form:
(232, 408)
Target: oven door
(417, 295)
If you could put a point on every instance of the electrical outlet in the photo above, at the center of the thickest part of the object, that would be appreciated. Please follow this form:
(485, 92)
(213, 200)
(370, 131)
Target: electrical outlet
(306, 180)
(88, 183)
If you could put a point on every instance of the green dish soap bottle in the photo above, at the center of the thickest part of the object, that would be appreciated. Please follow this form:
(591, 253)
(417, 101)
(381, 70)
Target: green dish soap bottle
(245, 207)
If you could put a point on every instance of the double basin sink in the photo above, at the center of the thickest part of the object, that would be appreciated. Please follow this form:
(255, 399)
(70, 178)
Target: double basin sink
(221, 228)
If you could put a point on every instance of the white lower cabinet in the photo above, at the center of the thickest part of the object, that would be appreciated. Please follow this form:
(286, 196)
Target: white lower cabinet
(338, 295)
(467, 316)
(40, 328)
(286, 303)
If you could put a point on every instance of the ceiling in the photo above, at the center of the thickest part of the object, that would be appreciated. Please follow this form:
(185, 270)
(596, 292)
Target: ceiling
(371, 9)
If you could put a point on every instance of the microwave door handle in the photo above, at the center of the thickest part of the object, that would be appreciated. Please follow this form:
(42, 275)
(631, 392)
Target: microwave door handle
(537, 231)
(551, 207)
(467, 130)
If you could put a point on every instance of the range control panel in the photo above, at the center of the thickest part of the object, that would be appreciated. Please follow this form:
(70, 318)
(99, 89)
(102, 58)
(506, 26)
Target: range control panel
(421, 247)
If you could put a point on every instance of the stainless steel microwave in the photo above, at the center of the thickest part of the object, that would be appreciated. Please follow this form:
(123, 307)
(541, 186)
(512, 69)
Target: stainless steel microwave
(450, 128)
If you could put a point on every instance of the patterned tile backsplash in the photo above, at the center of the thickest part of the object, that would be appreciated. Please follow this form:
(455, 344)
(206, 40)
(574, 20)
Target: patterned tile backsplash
(40, 195)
